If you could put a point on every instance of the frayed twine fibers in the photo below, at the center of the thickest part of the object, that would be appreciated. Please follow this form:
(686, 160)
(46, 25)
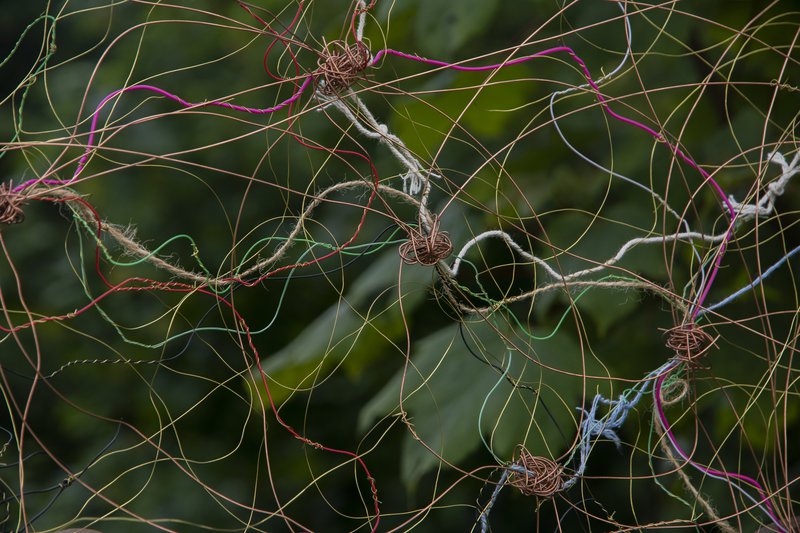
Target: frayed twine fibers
(10, 205)
(426, 248)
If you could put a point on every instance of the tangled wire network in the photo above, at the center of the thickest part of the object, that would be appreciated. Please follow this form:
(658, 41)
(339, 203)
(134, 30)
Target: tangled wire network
(291, 265)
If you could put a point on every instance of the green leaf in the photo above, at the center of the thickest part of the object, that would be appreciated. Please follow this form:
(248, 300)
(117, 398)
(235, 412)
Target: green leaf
(354, 330)
(360, 327)
(442, 393)
(445, 387)
(490, 113)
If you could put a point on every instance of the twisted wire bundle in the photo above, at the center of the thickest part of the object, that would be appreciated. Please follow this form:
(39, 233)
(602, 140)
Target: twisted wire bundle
(688, 342)
(426, 248)
(340, 65)
(536, 476)
(10, 205)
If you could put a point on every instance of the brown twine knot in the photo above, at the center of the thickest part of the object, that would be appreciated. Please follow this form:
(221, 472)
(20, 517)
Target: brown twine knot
(10, 205)
(688, 342)
(426, 248)
(340, 65)
(539, 476)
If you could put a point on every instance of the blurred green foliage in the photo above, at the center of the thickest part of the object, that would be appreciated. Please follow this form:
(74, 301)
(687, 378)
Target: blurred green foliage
(347, 334)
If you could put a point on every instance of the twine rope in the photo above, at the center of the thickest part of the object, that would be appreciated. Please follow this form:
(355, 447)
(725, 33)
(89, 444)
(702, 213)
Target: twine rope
(126, 240)
(416, 177)
(723, 524)
(624, 249)
(10, 205)
(340, 65)
(535, 475)
(766, 205)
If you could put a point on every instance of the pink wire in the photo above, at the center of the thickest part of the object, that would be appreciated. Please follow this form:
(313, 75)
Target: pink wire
(712, 275)
(604, 104)
(90, 144)
(550, 51)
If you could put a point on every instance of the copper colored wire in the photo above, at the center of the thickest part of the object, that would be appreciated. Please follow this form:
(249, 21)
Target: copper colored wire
(539, 476)
(10, 205)
(688, 342)
(426, 248)
(340, 66)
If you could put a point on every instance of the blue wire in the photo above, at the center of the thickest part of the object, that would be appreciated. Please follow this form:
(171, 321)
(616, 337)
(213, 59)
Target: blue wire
(752, 284)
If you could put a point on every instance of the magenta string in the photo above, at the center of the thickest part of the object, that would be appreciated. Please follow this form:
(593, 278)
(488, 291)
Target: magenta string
(604, 104)
(676, 150)
(93, 131)
(706, 470)
(550, 51)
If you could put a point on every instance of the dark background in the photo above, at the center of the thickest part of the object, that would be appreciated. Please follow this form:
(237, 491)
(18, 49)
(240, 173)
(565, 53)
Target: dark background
(174, 367)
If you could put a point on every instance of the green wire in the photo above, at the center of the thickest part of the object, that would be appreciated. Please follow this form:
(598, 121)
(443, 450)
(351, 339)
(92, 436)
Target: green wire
(373, 248)
(491, 302)
(350, 250)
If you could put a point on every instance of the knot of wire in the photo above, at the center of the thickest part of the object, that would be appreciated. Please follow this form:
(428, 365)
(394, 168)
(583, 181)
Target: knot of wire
(10, 205)
(535, 475)
(340, 65)
(426, 247)
(688, 342)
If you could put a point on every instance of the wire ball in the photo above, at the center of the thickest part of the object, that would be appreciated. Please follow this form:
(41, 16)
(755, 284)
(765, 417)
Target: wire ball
(688, 342)
(536, 476)
(426, 248)
(340, 66)
(10, 205)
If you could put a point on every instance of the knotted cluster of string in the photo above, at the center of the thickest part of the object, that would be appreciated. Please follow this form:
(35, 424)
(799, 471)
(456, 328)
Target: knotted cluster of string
(340, 66)
(688, 342)
(426, 247)
(10, 205)
(535, 476)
